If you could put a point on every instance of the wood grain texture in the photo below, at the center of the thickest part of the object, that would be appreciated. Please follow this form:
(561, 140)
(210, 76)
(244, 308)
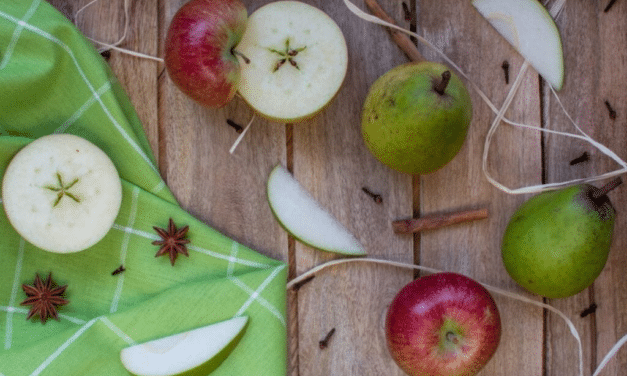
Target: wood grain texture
(473, 249)
(328, 157)
(331, 160)
(593, 65)
(227, 191)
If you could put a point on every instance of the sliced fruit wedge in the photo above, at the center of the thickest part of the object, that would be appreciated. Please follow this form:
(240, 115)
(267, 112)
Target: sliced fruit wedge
(196, 352)
(528, 26)
(305, 219)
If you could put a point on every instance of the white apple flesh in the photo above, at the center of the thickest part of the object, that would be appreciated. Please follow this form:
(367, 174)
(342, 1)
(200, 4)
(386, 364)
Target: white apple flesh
(196, 352)
(61, 193)
(443, 324)
(199, 50)
(305, 219)
(298, 61)
(530, 29)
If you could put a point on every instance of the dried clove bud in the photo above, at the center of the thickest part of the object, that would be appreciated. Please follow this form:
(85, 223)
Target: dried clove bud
(592, 309)
(238, 128)
(376, 197)
(582, 158)
(610, 110)
(505, 67)
(609, 6)
(324, 343)
(118, 270)
(106, 54)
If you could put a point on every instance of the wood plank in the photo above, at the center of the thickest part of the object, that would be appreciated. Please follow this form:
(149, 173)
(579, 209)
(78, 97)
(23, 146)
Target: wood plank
(227, 191)
(331, 160)
(105, 21)
(515, 160)
(592, 64)
(610, 289)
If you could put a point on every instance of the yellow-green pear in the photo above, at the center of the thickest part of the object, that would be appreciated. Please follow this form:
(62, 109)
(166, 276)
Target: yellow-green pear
(557, 243)
(416, 116)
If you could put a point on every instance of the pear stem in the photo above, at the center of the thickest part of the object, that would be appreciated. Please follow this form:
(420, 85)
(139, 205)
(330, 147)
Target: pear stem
(237, 53)
(441, 86)
(606, 188)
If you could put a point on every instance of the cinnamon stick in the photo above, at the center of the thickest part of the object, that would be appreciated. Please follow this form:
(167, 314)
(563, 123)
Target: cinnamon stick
(432, 222)
(402, 39)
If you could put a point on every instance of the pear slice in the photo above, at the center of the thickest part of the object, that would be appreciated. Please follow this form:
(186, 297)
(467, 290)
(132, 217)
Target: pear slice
(196, 352)
(298, 61)
(305, 219)
(528, 27)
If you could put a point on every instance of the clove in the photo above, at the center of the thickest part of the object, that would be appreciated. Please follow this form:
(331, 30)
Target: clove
(593, 307)
(106, 54)
(505, 67)
(610, 110)
(582, 158)
(238, 128)
(118, 270)
(609, 6)
(324, 343)
(376, 197)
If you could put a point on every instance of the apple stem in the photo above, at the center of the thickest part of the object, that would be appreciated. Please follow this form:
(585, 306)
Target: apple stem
(604, 190)
(441, 86)
(237, 53)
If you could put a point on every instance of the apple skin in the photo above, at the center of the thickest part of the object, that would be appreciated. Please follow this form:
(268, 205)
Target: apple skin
(199, 49)
(443, 324)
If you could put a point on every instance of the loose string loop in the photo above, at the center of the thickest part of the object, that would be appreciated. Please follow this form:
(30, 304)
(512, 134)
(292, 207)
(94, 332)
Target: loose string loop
(554, 11)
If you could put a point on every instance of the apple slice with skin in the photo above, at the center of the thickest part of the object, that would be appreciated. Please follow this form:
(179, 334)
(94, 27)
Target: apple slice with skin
(298, 61)
(528, 26)
(194, 353)
(304, 218)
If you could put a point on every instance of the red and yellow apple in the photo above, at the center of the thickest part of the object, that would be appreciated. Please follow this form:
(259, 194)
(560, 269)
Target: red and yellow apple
(443, 324)
(200, 54)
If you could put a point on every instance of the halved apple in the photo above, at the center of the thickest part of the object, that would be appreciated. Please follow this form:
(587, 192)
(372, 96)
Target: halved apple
(196, 352)
(298, 61)
(61, 193)
(304, 218)
(528, 26)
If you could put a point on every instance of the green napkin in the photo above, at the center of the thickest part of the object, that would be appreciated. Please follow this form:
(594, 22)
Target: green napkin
(53, 81)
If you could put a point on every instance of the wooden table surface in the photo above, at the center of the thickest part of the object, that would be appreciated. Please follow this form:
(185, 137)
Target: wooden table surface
(327, 155)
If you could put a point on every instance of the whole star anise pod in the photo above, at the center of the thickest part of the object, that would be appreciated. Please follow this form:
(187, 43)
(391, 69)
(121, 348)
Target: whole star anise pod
(43, 298)
(173, 241)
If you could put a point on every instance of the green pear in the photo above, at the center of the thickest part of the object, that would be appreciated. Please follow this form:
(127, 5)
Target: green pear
(416, 116)
(557, 243)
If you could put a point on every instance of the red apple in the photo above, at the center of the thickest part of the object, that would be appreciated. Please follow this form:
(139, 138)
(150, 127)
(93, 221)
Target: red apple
(443, 324)
(199, 49)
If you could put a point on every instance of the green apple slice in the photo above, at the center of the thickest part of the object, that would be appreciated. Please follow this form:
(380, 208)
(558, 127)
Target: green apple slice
(196, 352)
(298, 61)
(528, 26)
(305, 219)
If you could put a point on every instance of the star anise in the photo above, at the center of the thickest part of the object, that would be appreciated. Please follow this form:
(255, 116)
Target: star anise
(173, 241)
(43, 298)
